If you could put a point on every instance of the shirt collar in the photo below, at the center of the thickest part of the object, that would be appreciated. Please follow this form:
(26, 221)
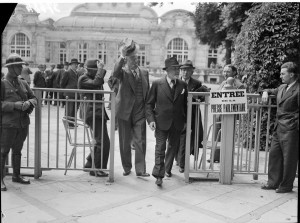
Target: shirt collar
(290, 85)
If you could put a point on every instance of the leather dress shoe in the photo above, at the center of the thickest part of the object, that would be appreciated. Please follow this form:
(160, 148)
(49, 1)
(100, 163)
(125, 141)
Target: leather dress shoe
(126, 173)
(168, 174)
(181, 170)
(282, 190)
(158, 181)
(268, 187)
(98, 173)
(143, 175)
(20, 179)
(3, 186)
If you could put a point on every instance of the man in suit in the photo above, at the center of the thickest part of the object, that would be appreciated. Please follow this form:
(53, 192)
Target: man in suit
(70, 81)
(94, 80)
(284, 151)
(193, 85)
(49, 80)
(130, 107)
(166, 114)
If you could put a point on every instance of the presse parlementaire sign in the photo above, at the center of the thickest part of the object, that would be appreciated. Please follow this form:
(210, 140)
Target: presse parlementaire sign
(233, 101)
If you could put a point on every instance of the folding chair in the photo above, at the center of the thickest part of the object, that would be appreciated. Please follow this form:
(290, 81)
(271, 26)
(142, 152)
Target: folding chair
(87, 132)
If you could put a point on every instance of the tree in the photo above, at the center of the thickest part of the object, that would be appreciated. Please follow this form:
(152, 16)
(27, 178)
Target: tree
(219, 24)
(268, 38)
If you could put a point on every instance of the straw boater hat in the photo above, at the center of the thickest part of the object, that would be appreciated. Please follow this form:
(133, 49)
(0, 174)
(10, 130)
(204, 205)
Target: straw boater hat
(131, 47)
(13, 59)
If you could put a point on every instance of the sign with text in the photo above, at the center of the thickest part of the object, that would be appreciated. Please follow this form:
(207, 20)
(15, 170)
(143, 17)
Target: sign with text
(233, 101)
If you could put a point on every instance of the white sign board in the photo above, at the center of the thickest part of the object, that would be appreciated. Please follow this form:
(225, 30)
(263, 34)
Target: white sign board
(233, 101)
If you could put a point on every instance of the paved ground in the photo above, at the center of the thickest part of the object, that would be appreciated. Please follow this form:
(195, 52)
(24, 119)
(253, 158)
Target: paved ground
(78, 197)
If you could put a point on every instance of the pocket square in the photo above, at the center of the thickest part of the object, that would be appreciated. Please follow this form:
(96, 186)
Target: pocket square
(183, 91)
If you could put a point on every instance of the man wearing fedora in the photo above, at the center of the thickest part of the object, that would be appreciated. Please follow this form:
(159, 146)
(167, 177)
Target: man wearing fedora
(17, 102)
(130, 107)
(69, 80)
(166, 114)
(94, 80)
(193, 85)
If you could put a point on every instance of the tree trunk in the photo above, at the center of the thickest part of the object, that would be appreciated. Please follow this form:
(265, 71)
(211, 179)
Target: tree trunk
(228, 44)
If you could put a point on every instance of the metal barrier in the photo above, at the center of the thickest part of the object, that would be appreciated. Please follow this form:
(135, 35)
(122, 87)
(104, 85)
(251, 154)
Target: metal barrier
(48, 146)
(240, 138)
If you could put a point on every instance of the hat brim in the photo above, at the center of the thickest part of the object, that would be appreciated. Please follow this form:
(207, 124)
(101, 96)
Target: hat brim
(186, 66)
(172, 66)
(14, 63)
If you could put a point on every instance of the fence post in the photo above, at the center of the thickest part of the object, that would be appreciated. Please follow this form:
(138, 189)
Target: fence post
(227, 145)
(112, 136)
(38, 132)
(188, 139)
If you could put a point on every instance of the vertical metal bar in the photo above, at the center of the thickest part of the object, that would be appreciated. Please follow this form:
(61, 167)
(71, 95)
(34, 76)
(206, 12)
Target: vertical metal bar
(48, 133)
(188, 139)
(239, 142)
(256, 149)
(243, 137)
(102, 128)
(38, 130)
(75, 131)
(66, 143)
(57, 132)
(196, 133)
(28, 135)
(227, 144)
(267, 136)
(112, 137)
(205, 137)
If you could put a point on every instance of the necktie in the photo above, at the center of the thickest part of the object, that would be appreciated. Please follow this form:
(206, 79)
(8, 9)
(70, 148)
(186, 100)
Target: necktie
(173, 87)
(284, 90)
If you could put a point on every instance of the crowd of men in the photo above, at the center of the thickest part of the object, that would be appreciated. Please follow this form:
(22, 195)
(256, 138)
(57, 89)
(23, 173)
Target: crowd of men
(163, 105)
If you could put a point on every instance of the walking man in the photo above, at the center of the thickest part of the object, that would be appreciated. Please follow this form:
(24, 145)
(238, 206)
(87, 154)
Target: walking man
(130, 107)
(283, 156)
(166, 114)
(17, 102)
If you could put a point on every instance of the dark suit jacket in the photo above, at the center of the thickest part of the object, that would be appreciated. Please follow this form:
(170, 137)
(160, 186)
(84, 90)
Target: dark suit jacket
(69, 80)
(162, 108)
(287, 116)
(85, 81)
(126, 95)
(39, 80)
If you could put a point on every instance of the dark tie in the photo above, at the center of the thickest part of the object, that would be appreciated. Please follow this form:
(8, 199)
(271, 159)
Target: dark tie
(284, 90)
(173, 87)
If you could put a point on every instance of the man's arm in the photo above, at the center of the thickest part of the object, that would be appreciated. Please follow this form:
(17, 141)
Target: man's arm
(86, 83)
(150, 105)
(266, 92)
(118, 71)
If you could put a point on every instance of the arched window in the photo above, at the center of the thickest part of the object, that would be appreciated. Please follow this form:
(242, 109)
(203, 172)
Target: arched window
(101, 52)
(179, 48)
(82, 52)
(20, 44)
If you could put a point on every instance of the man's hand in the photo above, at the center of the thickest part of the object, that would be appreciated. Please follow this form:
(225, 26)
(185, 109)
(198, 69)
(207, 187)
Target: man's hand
(26, 105)
(18, 105)
(100, 64)
(265, 97)
(152, 126)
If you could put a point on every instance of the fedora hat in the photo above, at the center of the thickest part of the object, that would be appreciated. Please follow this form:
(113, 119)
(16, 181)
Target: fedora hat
(129, 46)
(91, 64)
(74, 60)
(187, 64)
(13, 59)
(171, 62)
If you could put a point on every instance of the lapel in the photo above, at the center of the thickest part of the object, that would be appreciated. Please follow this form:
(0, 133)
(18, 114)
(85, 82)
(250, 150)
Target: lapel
(166, 88)
(72, 71)
(178, 89)
(288, 93)
(144, 83)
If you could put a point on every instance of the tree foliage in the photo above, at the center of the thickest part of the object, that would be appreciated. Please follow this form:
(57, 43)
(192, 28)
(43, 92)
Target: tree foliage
(219, 24)
(269, 37)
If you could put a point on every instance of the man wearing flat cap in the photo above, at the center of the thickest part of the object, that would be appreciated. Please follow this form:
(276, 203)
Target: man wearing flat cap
(94, 80)
(69, 80)
(166, 114)
(193, 85)
(130, 107)
(17, 102)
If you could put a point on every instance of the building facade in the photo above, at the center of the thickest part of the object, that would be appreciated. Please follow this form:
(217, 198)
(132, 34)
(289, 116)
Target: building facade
(94, 30)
